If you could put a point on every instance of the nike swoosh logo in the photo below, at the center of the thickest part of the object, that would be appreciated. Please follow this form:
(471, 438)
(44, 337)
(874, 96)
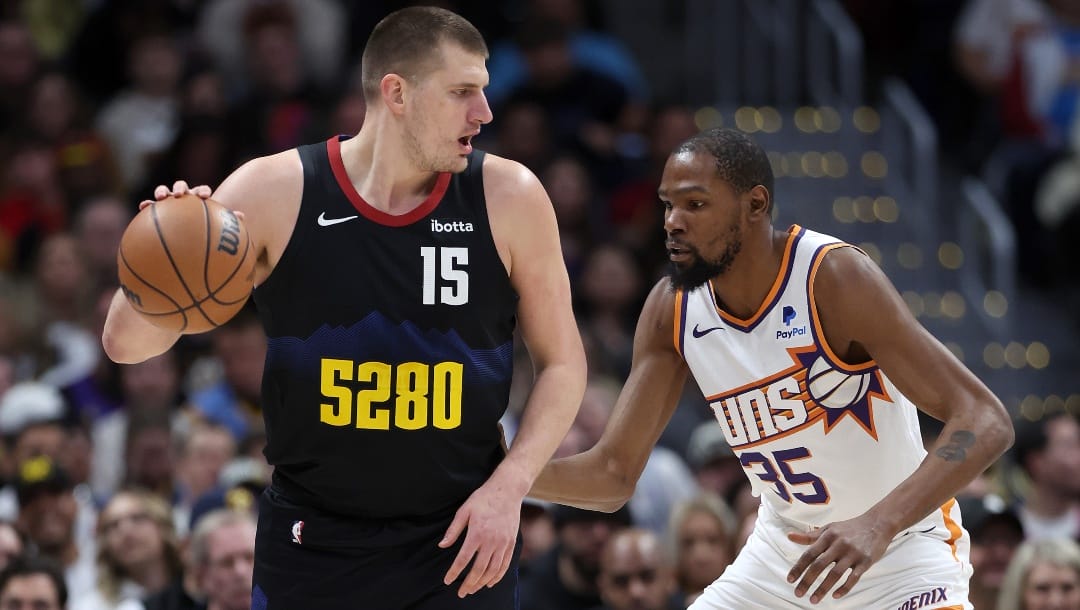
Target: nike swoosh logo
(701, 333)
(326, 222)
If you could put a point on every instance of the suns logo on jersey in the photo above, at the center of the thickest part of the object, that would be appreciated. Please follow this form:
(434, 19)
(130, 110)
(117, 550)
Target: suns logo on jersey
(809, 391)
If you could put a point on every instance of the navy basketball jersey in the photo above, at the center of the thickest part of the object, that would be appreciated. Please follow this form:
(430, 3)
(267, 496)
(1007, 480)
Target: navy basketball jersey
(390, 347)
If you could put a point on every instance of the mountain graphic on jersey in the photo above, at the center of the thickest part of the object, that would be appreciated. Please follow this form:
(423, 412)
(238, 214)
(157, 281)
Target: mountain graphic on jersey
(378, 338)
(791, 400)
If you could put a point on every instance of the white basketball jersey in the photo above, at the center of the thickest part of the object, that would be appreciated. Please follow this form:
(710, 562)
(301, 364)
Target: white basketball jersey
(821, 441)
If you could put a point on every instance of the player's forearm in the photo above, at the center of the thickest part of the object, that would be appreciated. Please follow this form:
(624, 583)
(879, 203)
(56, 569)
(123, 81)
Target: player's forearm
(550, 410)
(129, 338)
(968, 444)
(586, 480)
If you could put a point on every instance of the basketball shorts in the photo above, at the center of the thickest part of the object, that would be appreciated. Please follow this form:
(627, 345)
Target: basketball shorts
(310, 559)
(925, 568)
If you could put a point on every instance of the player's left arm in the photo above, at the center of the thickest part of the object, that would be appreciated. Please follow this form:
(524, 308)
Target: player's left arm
(523, 224)
(863, 316)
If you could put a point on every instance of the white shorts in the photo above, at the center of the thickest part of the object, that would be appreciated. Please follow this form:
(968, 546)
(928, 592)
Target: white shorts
(920, 570)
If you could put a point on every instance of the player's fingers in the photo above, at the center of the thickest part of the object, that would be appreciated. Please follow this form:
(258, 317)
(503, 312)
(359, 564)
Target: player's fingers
(180, 187)
(829, 582)
(849, 582)
(239, 215)
(455, 529)
(161, 191)
(464, 556)
(800, 566)
(202, 191)
(475, 579)
(144, 203)
(504, 565)
(812, 572)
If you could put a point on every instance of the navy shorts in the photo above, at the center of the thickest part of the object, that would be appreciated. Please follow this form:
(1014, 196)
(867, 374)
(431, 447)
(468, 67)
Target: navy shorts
(308, 559)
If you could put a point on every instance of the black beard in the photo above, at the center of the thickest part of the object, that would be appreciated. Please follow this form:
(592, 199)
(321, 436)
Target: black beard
(701, 271)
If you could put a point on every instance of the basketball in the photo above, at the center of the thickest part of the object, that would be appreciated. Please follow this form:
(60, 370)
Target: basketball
(835, 389)
(186, 264)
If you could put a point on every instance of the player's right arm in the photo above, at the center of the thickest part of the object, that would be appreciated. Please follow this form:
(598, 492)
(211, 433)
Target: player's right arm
(265, 192)
(603, 477)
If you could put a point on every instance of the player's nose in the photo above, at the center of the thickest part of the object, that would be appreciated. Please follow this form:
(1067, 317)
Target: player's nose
(482, 111)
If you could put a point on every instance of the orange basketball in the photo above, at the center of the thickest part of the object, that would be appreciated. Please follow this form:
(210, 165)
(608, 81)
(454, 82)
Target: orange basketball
(186, 264)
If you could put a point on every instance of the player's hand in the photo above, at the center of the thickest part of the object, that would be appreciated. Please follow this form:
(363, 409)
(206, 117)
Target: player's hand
(179, 189)
(853, 545)
(490, 519)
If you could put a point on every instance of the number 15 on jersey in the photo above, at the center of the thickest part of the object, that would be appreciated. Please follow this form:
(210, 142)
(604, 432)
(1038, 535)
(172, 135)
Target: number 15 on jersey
(444, 273)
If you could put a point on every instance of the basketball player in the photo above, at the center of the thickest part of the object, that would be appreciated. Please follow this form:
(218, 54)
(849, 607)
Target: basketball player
(814, 367)
(393, 267)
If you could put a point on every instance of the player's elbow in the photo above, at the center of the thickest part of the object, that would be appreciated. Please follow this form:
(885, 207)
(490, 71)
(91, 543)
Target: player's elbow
(116, 349)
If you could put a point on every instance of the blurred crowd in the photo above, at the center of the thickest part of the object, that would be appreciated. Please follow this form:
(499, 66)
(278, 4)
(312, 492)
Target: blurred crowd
(133, 487)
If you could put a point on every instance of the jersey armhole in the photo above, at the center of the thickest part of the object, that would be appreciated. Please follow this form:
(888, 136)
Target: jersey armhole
(815, 320)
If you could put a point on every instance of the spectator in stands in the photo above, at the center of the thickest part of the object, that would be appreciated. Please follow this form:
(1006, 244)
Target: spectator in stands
(996, 532)
(1048, 451)
(223, 552)
(99, 225)
(589, 48)
(138, 552)
(1043, 575)
(18, 66)
(703, 534)
(583, 106)
(204, 452)
(150, 458)
(12, 543)
(47, 513)
(716, 467)
(142, 120)
(537, 533)
(636, 573)
(149, 386)
(33, 584)
(565, 578)
(239, 346)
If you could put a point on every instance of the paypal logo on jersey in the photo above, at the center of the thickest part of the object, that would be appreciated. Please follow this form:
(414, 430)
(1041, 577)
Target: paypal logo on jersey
(453, 226)
(788, 315)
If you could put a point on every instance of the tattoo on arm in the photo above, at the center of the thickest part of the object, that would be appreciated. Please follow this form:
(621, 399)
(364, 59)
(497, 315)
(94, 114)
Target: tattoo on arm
(956, 449)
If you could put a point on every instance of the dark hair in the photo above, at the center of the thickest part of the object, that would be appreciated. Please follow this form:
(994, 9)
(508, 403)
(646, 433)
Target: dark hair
(740, 161)
(29, 566)
(406, 42)
(1031, 437)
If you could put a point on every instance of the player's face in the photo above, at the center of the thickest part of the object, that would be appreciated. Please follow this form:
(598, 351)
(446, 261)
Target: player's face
(702, 219)
(447, 111)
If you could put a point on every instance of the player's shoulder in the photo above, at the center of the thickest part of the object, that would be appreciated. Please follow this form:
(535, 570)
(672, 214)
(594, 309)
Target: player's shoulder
(658, 313)
(271, 179)
(506, 176)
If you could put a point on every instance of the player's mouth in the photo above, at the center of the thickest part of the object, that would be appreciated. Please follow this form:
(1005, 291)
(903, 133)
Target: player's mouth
(678, 252)
(466, 143)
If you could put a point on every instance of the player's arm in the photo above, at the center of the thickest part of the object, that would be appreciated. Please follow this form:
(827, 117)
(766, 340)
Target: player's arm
(523, 221)
(860, 308)
(523, 225)
(603, 477)
(863, 317)
(266, 193)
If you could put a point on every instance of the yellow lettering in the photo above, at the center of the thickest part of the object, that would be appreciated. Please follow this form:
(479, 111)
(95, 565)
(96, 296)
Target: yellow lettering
(332, 372)
(369, 416)
(411, 407)
(424, 395)
(446, 397)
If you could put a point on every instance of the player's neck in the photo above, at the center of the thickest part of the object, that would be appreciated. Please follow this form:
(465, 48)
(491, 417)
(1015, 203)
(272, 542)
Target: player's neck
(381, 171)
(742, 289)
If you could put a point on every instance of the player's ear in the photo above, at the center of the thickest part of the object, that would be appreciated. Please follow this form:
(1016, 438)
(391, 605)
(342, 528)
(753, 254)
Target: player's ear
(760, 201)
(392, 86)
